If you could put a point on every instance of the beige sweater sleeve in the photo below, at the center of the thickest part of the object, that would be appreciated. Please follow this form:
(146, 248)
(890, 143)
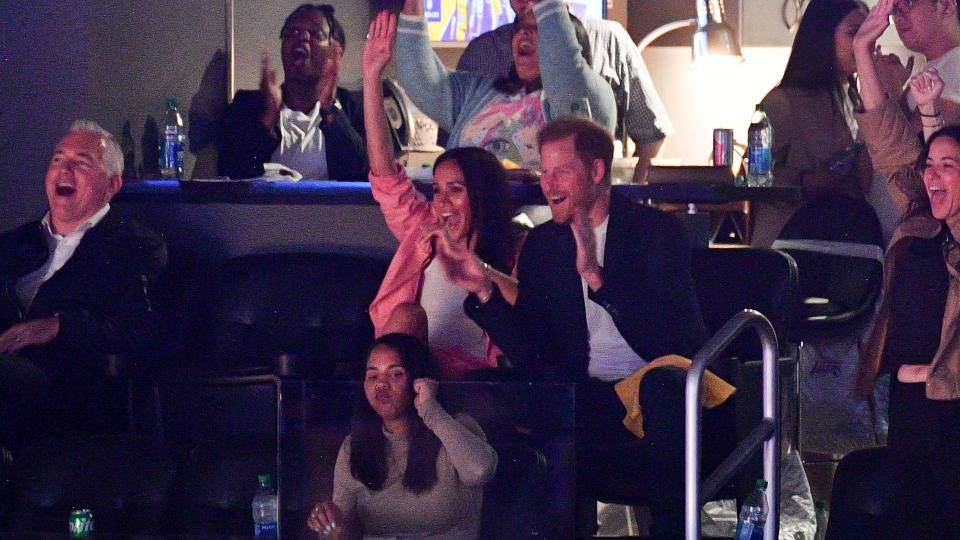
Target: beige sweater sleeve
(894, 148)
(345, 488)
(473, 458)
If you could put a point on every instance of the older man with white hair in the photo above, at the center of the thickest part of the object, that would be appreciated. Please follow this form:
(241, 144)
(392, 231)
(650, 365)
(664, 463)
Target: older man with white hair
(74, 288)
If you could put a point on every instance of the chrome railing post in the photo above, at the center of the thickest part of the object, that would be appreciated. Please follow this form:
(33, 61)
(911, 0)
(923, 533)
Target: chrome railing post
(768, 427)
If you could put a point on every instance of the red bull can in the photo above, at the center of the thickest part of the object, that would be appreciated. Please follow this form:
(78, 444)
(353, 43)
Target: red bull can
(722, 147)
(81, 523)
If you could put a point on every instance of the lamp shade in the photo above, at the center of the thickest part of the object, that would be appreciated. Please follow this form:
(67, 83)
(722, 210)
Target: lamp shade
(714, 38)
(716, 41)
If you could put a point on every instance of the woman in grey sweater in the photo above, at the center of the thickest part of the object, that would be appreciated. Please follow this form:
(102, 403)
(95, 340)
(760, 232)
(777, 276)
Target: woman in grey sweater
(408, 469)
(551, 77)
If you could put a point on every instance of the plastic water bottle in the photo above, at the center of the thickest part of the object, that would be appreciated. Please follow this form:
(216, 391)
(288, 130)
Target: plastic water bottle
(823, 515)
(753, 514)
(172, 138)
(844, 161)
(265, 509)
(760, 150)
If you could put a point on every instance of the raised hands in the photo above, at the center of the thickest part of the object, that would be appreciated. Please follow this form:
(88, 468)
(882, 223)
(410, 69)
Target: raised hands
(270, 90)
(893, 73)
(876, 23)
(329, 73)
(425, 390)
(926, 88)
(378, 49)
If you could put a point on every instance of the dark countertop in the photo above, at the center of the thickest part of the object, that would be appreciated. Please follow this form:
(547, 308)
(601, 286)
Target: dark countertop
(314, 192)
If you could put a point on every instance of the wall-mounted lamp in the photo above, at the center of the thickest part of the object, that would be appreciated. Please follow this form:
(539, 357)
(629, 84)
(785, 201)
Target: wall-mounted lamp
(714, 42)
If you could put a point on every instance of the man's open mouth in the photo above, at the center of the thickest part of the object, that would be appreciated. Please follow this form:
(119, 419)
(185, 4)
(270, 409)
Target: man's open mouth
(65, 190)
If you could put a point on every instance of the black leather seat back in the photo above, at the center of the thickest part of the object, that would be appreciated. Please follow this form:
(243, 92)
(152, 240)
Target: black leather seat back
(729, 280)
(310, 306)
(847, 285)
(127, 482)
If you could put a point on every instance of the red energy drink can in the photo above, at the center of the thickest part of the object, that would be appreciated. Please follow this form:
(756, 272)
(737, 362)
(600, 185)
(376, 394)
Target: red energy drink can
(722, 147)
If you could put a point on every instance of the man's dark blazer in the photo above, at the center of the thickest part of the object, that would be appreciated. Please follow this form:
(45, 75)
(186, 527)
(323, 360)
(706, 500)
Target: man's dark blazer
(647, 289)
(245, 145)
(100, 294)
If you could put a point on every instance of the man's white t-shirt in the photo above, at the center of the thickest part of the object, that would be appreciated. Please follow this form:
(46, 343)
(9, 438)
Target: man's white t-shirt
(611, 357)
(301, 143)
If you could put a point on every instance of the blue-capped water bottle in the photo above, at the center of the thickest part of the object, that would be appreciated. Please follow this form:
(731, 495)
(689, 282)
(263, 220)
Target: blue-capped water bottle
(172, 139)
(759, 150)
(753, 514)
(265, 511)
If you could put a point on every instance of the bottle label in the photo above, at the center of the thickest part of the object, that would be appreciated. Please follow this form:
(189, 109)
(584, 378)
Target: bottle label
(761, 160)
(266, 530)
(745, 531)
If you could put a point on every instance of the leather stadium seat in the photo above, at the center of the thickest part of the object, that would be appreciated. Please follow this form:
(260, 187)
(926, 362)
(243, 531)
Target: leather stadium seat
(838, 245)
(128, 483)
(292, 314)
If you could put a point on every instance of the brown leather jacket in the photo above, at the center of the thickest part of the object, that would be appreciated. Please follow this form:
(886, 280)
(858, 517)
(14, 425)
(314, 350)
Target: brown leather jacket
(894, 148)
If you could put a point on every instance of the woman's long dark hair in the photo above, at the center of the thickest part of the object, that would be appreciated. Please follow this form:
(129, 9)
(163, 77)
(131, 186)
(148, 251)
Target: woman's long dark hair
(511, 84)
(491, 208)
(368, 444)
(813, 57)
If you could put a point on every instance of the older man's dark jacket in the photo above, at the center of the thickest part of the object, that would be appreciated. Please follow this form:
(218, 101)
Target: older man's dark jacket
(101, 294)
(648, 291)
(245, 145)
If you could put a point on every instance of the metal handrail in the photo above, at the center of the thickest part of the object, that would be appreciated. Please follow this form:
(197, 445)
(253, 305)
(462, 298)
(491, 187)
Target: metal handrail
(765, 433)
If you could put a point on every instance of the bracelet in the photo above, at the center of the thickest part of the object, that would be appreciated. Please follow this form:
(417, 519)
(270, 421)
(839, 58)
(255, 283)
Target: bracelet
(485, 298)
(934, 115)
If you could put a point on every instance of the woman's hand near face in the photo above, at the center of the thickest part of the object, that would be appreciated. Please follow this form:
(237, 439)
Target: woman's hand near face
(926, 88)
(412, 7)
(872, 88)
(326, 519)
(377, 52)
(426, 390)
(876, 23)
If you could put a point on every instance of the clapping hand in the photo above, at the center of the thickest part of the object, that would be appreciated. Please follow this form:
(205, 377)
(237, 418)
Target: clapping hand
(587, 265)
(874, 25)
(893, 73)
(29, 334)
(378, 50)
(425, 390)
(926, 87)
(329, 73)
(270, 90)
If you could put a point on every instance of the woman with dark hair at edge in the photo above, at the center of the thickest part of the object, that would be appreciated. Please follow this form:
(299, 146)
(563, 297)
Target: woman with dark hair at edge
(551, 77)
(812, 115)
(471, 206)
(407, 468)
(915, 337)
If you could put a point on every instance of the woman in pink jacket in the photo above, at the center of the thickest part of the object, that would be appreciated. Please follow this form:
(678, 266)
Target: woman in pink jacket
(471, 208)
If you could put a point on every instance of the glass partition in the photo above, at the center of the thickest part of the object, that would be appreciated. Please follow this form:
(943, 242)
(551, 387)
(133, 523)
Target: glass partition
(530, 425)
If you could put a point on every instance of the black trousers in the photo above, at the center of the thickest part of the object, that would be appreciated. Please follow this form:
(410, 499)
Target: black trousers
(924, 446)
(613, 464)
